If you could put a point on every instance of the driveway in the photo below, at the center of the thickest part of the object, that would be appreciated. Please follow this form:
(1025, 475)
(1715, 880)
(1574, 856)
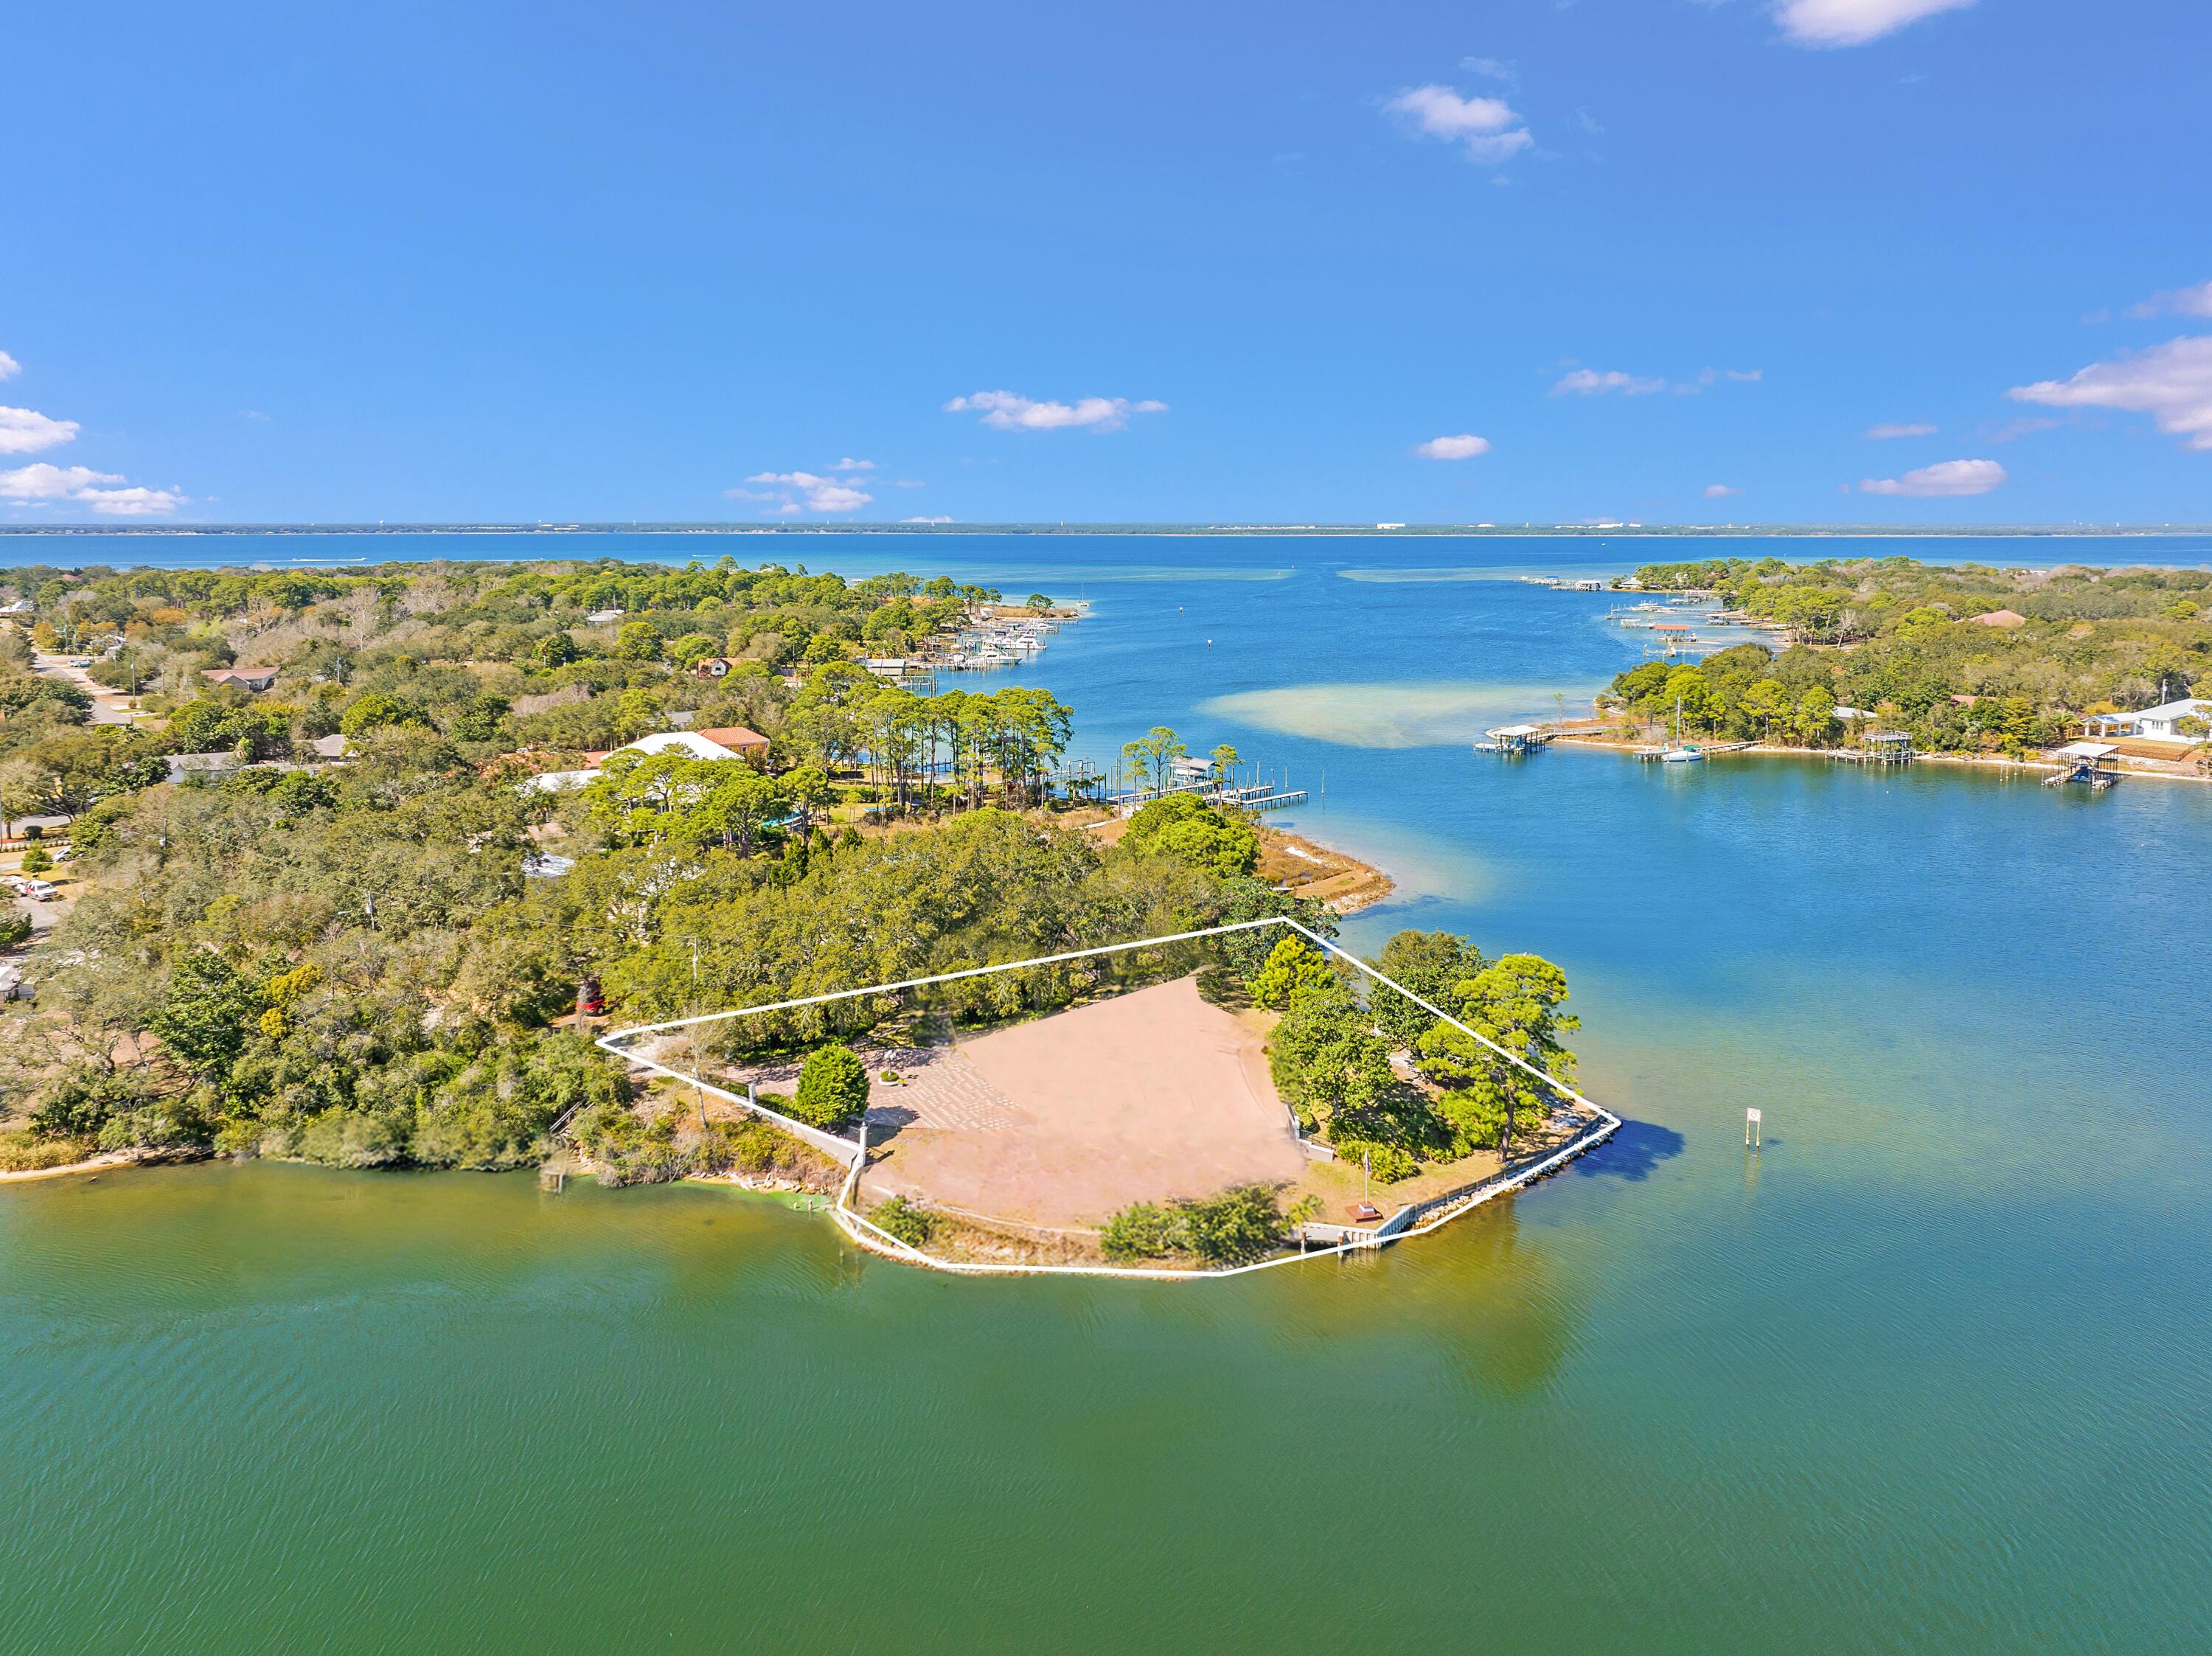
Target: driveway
(108, 706)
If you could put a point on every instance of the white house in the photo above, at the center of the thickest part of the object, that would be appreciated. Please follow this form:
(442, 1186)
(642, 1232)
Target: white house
(2160, 723)
(716, 742)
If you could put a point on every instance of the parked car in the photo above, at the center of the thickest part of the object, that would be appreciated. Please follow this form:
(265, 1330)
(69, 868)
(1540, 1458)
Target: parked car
(40, 891)
(80, 661)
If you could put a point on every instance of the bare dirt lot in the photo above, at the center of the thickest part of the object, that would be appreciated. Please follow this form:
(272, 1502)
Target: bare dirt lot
(1058, 1123)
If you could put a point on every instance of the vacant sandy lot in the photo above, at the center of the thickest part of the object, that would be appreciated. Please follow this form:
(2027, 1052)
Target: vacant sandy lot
(1150, 1095)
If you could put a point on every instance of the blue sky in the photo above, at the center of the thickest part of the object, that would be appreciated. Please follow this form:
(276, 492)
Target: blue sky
(1108, 263)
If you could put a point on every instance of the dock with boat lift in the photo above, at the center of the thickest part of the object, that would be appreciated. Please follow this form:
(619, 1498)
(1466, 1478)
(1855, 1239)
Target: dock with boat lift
(1514, 740)
(2092, 764)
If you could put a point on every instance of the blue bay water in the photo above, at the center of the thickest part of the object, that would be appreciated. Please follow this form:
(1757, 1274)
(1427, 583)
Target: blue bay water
(1929, 1372)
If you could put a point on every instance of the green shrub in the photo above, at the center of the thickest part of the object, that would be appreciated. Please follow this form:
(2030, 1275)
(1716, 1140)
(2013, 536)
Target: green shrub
(15, 928)
(757, 1149)
(1234, 1228)
(85, 1099)
(172, 1125)
(1238, 1226)
(911, 1224)
(36, 860)
(833, 1089)
(648, 1164)
(714, 1153)
(1143, 1230)
(1388, 1164)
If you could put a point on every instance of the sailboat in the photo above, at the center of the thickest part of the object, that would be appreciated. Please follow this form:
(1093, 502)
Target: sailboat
(1680, 752)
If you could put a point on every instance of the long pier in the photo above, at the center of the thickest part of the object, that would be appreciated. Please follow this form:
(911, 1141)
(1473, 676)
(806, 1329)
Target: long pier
(1261, 796)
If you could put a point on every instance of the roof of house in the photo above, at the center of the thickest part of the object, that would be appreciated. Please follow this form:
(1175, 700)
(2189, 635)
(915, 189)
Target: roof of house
(2188, 706)
(238, 675)
(1999, 618)
(717, 741)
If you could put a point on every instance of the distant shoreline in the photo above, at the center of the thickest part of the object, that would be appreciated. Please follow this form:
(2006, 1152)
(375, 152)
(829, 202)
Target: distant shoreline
(1165, 531)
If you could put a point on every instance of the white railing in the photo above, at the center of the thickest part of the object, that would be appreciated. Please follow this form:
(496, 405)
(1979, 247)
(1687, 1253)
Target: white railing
(1398, 1227)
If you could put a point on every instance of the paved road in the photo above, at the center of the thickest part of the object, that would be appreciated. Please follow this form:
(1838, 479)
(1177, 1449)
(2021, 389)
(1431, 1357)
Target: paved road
(108, 706)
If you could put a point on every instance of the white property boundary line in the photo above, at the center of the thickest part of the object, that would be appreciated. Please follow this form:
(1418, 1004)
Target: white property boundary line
(853, 1153)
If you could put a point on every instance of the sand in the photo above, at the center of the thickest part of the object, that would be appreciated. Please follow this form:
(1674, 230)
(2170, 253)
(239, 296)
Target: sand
(1059, 1122)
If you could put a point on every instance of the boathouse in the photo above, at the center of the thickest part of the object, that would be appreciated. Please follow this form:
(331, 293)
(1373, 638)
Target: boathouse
(2090, 764)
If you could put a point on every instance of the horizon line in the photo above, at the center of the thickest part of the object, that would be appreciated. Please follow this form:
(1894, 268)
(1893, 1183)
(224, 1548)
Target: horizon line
(1154, 526)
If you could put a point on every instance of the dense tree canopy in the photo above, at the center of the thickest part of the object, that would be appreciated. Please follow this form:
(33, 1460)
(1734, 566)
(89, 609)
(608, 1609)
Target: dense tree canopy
(1902, 641)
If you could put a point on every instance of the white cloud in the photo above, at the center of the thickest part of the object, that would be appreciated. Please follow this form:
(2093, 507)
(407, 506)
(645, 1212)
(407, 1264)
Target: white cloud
(850, 464)
(2179, 301)
(1003, 411)
(1950, 478)
(2172, 383)
(1720, 491)
(1465, 447)
(26, 430)
(1890, 430)
(1854, 23)
(10, 367)
(803, 491)
(1588, 382)
(1494, 68)
(926, 520)
(131, 502)
(1489, 127)
(41, 482)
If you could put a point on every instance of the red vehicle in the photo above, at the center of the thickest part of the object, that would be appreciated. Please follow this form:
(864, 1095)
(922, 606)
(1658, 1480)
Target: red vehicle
(590, 1002)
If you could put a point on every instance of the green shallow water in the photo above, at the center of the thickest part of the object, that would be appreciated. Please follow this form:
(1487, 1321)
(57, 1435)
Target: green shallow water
(1933, 1372)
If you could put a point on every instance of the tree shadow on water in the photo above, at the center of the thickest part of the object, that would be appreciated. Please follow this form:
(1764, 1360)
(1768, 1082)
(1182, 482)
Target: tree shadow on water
(1631, 1153)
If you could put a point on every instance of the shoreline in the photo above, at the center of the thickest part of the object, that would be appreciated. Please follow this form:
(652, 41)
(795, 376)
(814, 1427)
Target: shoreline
(1350, 883)
(1045, 532)
(99, 1163)
(1972, 760)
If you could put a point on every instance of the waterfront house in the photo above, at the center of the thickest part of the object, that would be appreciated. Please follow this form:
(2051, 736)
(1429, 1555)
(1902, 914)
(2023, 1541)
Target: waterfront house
(2160, 723)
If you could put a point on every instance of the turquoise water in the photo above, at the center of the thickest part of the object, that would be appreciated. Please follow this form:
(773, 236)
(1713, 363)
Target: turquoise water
(1928, 1373)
